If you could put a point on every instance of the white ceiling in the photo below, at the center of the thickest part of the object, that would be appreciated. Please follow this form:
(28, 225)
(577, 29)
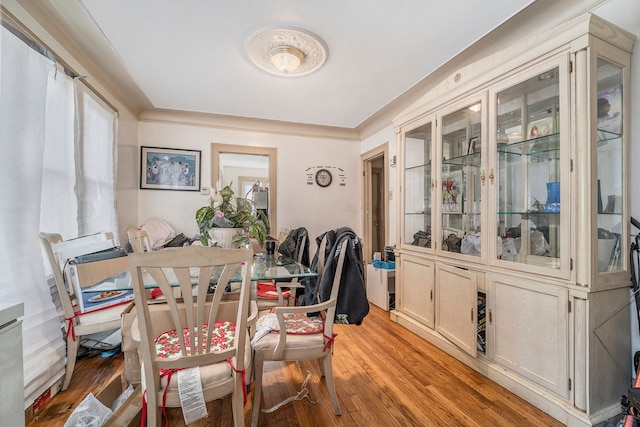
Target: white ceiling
(191, 55)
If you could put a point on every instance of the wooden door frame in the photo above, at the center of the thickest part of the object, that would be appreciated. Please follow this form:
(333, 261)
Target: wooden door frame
(366, 159)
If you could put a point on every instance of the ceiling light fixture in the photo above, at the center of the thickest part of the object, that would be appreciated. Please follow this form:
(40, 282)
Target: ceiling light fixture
(286, 58)
(287, 51)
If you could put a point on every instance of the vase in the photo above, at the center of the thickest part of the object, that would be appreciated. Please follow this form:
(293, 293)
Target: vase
(553, 197)
(223, 237)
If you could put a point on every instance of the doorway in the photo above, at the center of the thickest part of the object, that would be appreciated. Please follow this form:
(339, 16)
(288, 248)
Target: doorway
(375, 204)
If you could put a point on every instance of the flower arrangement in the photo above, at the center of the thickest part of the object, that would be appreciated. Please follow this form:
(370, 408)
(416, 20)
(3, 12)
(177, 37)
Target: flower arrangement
(227, 211)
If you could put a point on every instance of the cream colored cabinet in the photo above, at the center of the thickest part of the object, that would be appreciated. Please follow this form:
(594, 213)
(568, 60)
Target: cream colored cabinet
(513, 187)
(416, 297)
(457, 306)
(527, 330)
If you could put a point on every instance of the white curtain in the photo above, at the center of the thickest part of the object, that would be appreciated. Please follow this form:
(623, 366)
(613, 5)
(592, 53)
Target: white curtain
(95, 163)
(57, 174)
(24, 80)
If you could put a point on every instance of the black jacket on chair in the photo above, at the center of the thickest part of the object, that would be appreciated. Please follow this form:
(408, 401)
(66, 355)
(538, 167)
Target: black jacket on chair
(352, 306)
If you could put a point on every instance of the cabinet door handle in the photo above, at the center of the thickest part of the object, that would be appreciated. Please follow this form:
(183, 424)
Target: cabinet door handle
(472, 315)
(492, 176)
(431, 295)
(490, 316)
(433, 184)
(482, 177)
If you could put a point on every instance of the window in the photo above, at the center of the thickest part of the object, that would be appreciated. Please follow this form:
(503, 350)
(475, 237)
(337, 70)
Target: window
(56, 175)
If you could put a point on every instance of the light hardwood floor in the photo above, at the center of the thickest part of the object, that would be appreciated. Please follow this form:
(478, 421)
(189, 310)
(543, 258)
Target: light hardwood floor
(385, 376)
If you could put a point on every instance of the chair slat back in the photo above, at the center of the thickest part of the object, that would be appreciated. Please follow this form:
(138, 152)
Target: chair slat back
(50, 243)
(191, 269)
(139, 240)
(65, 293)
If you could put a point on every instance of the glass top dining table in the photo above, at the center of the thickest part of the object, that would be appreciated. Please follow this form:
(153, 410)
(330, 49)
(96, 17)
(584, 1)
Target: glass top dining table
(263, 268)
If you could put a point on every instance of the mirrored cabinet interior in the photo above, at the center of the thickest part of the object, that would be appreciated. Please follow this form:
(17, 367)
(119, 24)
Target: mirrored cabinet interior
(513, 228)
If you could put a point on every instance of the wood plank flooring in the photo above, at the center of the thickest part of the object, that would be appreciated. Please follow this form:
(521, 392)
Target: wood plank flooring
(384, 375)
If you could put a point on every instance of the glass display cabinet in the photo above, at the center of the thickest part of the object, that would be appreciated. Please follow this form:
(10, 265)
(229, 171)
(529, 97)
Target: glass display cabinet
(610, 170)
(528, 160)
(417, 185)
(514, 220)
(460, 177)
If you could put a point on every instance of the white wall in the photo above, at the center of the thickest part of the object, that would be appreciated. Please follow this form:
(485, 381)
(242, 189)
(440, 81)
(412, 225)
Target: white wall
(127, 174)
(299, 205)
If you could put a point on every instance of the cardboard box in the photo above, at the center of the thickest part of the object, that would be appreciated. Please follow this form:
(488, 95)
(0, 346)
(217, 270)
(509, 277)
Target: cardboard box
(129, 414)
(111, 291)
(90, 273)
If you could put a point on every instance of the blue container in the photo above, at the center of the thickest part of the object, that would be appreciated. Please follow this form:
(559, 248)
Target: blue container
(553, 197)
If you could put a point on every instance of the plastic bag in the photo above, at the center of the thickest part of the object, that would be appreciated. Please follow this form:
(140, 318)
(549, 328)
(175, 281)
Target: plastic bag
(160, 232)
(539, 246)
(89, 413)
(471, 245)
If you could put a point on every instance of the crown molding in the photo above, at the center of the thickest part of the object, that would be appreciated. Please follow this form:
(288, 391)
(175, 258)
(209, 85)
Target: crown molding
(247, 124)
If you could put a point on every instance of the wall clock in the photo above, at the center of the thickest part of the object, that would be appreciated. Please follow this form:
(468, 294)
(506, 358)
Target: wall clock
(323, 177)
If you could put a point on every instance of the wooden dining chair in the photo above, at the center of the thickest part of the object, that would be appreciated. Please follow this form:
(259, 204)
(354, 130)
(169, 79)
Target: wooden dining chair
(302, 333)
(207, 332)
(139, 240)
(76, 324)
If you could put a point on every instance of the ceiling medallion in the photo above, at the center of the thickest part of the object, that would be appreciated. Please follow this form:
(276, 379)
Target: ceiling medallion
(287, 51)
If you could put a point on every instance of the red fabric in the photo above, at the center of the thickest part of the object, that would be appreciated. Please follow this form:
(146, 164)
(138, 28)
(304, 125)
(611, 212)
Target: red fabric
(70, 328)
(156, 293)
(79, 313)
(244, 379)
(329, 341)
(268, 290)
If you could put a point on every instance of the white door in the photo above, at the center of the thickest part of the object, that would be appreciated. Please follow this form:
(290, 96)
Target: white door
(527, 327)
(457, 306)
(416, 297)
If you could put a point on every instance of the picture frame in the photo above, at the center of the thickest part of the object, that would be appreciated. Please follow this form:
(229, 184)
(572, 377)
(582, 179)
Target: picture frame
(170, 169)
(474, 145)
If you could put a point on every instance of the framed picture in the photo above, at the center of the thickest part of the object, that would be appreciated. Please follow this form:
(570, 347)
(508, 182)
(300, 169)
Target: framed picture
(474, 145)
(169, 169)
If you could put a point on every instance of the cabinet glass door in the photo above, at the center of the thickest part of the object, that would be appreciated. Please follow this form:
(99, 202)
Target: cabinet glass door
(610, 166)
(417, 186)
(528, 171)
(460, 192)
